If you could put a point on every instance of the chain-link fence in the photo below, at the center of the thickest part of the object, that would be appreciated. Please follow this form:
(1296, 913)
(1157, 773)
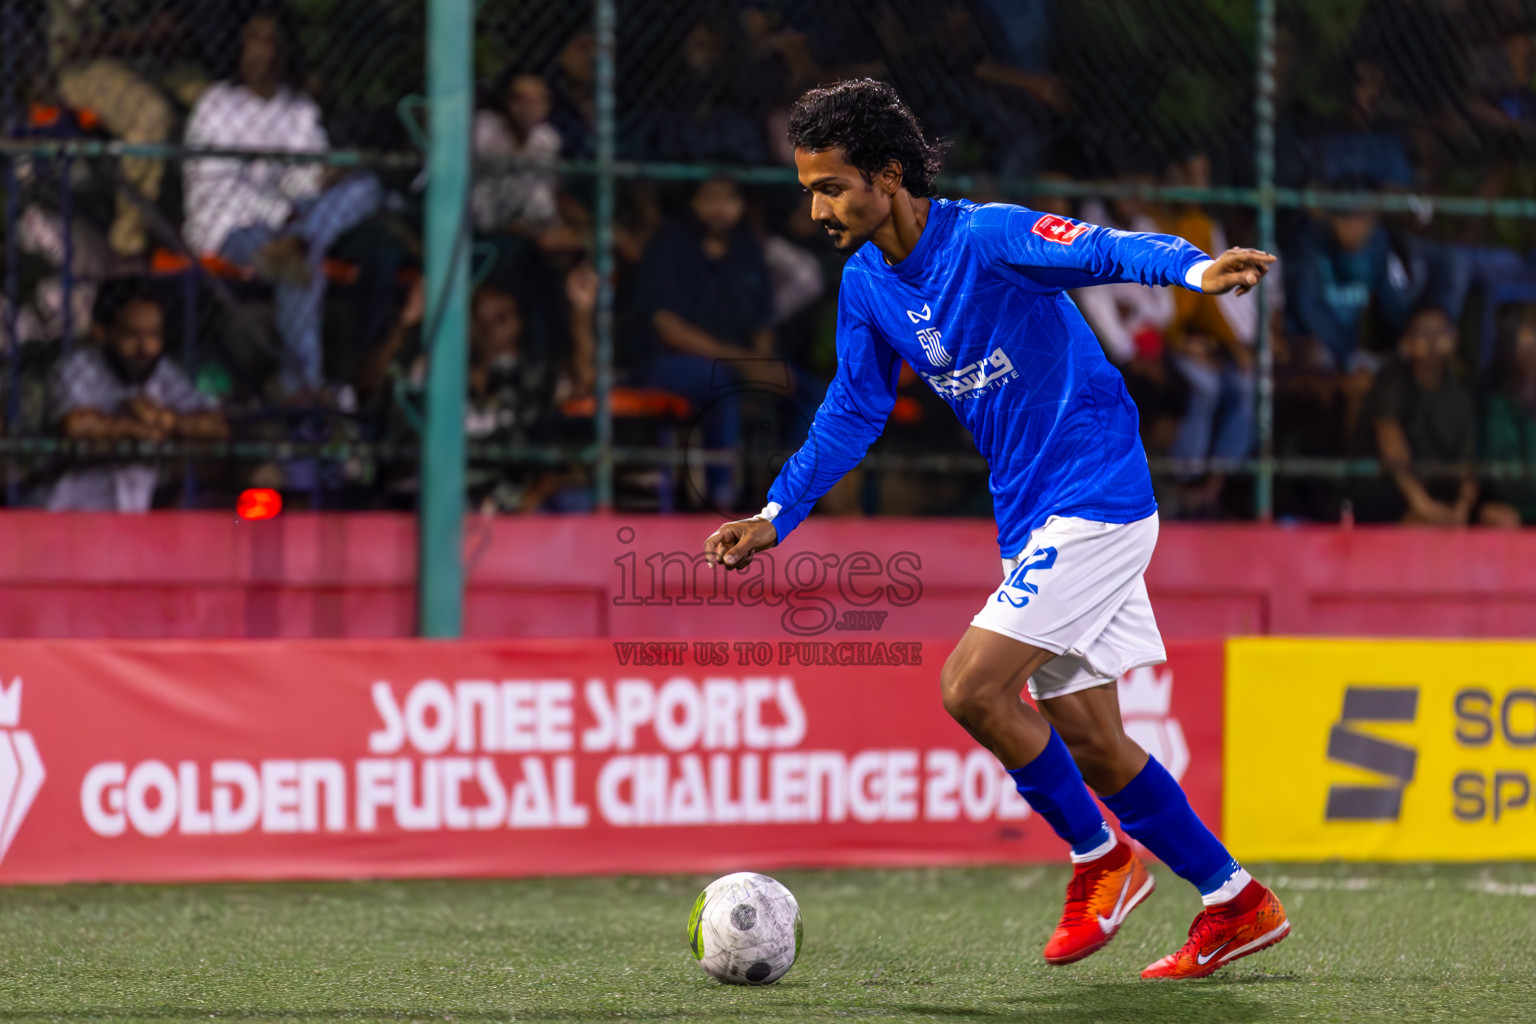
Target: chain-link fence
(178, 328)
(249, 172)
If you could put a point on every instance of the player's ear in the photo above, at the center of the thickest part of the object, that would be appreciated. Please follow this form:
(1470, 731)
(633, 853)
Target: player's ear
(889, 178)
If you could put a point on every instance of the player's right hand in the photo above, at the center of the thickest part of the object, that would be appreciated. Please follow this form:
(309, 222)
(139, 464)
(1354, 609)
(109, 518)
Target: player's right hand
(1235, 269)
(734, 544)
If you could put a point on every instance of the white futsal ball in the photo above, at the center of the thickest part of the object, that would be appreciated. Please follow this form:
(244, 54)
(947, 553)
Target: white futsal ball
(745, 929)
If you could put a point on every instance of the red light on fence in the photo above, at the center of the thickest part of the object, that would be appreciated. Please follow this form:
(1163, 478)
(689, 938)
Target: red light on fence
(259, 503)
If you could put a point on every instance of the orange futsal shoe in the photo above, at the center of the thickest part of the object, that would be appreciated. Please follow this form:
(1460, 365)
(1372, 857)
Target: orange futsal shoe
(1100, 896)
(1252, 920)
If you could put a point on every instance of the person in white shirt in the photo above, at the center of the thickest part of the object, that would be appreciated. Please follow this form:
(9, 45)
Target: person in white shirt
(273, 216)
(518, 149)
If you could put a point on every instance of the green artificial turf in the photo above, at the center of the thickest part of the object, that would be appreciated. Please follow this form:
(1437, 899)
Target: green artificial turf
(1370, 943)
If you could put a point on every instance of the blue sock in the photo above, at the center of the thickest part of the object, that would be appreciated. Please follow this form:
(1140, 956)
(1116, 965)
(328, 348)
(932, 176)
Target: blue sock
(1154, 810)
(1053, 786)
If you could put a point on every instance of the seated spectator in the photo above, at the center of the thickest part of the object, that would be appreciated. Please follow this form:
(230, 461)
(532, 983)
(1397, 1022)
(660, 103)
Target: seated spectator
(1342, 268)
(573, 97)
(276, 218)
(706, 301)
(90, 49)
(516, 381)
(1363, 148)
(124, 388)
(1349, 289)
(1509, 420)
(1420, 50)
(707, 106)
(511, 389)
(1418, 412)
(521, 192)
(1501, 100)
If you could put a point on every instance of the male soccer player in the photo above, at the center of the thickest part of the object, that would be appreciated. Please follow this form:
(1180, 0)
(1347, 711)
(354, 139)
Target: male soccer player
(971, 296)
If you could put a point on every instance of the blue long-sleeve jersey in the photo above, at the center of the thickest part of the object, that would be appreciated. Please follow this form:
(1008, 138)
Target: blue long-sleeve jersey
(978, 310)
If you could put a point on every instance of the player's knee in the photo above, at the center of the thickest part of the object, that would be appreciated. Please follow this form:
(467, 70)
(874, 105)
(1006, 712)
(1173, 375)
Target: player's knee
(963, 691)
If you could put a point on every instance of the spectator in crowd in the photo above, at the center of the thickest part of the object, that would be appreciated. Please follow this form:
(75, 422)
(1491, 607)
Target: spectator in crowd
(274, 217)
(1501, 100)
(1509, 419)
(1005, 106)
(516, 380)
(511, 385)
(706, 302)
(1365, 147)
(511, 390)
(124, 388)
(708, 105)
(1417, 412)
(92, 49)
(1346, 286)
(573, 96)
(522, 192)
(1420, 50)
(781, 52)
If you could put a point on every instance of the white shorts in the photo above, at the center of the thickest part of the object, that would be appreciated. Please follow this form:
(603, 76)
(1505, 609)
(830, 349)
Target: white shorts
(1077, 589)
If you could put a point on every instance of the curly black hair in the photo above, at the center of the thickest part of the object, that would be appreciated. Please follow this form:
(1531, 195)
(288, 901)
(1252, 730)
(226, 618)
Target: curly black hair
(868, 121)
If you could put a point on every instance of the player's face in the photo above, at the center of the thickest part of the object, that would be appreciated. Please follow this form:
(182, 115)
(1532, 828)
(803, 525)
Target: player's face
(842, 202)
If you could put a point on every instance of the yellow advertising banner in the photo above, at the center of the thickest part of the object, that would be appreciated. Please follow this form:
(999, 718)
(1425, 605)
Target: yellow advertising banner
(1380, 749)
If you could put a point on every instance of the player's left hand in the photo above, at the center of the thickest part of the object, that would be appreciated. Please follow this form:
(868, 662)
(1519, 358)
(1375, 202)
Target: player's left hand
(1235, 268)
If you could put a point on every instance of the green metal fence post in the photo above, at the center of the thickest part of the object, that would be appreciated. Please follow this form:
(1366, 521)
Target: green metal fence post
(1264, 109)
(450, 102)
(605, 18)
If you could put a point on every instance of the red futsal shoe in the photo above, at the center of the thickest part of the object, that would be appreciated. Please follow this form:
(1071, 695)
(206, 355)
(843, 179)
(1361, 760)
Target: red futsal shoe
(1100, 896)
(1250, 921)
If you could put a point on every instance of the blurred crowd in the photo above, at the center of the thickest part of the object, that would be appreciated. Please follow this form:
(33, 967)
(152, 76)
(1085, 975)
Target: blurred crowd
(279, 300)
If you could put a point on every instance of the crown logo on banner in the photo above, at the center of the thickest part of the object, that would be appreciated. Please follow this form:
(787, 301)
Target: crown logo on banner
(10, 704)
(1145, 692)
(21, 769)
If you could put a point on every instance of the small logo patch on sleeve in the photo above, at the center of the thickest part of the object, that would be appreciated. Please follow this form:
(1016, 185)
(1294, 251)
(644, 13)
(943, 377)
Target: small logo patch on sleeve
(1058, 229)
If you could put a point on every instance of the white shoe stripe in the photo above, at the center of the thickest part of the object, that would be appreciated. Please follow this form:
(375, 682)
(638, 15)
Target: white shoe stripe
(1141, 894)
(1273, 933)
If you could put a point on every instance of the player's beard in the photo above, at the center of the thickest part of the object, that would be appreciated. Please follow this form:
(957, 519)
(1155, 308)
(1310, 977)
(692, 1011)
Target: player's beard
(840, 237)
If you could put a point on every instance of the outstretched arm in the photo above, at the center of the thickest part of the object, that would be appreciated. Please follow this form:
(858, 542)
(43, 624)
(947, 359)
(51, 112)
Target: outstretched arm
(1055, 253)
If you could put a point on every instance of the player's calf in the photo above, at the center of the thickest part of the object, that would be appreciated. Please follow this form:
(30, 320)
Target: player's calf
(1108, 760)
(980, 685)
(1108, 879)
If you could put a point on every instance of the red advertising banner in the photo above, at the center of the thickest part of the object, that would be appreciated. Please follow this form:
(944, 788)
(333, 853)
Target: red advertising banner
(193, 760)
